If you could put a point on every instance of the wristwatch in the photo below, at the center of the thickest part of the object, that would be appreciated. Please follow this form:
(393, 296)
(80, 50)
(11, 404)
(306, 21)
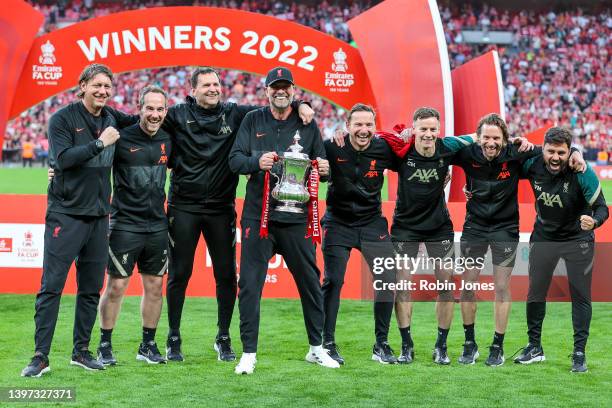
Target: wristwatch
(99, 145)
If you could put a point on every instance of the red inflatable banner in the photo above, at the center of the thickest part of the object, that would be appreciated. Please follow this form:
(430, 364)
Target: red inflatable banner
(21, 248)
(477, 90)
(603, 172)
(169, 36)
(18, 28)
(407, 62)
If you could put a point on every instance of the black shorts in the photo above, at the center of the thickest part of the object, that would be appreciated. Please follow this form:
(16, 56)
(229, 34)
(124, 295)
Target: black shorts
(503, 243)
(439, 244)
(147, 249)
(372, 234)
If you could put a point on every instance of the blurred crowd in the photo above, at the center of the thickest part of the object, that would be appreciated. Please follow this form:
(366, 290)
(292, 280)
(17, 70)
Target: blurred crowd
(555, 71)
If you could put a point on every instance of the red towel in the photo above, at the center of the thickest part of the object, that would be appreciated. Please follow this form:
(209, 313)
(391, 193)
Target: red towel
(396, 143)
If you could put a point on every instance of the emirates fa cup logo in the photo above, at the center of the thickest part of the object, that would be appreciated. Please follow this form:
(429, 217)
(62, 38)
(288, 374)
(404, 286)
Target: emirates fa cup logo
(47, 57)
(27, 242)
(339, 64)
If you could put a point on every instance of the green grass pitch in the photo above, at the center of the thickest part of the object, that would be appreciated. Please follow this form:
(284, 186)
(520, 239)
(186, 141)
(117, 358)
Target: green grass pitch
(283, 378)
(34, 181)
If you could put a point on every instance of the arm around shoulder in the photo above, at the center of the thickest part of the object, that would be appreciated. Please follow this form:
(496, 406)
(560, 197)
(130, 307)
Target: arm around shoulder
(241, 158)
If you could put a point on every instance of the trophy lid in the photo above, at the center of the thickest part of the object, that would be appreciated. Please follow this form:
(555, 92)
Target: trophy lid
(295, 150)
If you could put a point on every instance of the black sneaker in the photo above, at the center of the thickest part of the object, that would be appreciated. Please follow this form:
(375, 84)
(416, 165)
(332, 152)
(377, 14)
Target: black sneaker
(470, 353)
(530, 354)
(579, 362)
(496, 356)
(440, 356)
(332, 350)
(407, 355)
(150, 353)
(383, 353)
(105, 354)
(37, 367)
(84, 359)
(173, 349)
(223, 347)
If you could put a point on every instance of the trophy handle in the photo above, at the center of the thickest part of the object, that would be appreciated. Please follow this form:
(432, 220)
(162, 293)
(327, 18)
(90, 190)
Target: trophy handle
(277, 185)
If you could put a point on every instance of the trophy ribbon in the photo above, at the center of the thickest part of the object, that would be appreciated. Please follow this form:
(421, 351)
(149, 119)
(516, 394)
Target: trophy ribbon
(265, 205)
(314, 229)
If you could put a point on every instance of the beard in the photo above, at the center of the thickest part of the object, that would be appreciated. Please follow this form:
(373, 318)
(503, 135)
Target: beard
(281, 104)
(562, 165)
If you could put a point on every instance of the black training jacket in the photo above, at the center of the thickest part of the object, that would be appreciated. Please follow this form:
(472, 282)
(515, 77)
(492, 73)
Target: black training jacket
(259, 133)
(201, 180)
(81, 185)
(139, 180)
(421, 205)
(494, 186)
(356, 180)
(562, 198)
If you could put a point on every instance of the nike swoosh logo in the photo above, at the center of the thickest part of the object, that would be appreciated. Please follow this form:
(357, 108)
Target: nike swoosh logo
(476, 165)
(79, 129)
(132, 150)
(537, 182)
(260, 134)
(382, 236)
(342, 160)
(190, 121)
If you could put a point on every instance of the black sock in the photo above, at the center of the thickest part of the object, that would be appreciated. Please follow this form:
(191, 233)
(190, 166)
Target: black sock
(174, 333)
(106, 335)
(406, 337)
(442, 335)
(148, 334)
(498, 339)
(468, 329)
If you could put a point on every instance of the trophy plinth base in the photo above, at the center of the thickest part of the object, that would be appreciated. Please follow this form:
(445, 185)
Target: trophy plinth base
(290, 208)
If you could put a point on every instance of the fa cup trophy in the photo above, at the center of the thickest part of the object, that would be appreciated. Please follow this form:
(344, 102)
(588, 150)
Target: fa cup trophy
(290, 190)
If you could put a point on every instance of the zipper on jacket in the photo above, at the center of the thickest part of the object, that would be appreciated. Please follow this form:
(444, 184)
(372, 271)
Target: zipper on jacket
(356, 180)
(151, 183)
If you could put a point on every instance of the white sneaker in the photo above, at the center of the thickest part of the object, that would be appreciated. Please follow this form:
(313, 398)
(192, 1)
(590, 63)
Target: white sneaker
(246, 364)
(318, 355)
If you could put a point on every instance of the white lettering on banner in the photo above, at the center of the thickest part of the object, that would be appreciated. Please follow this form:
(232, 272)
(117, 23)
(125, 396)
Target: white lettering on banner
(181, 37)
(269, 278)
(276, 262)
(267, 53)
(223, 43)
(27, 245)
(604, 172)
(47, 73)
(163, 40)
(130, 39)
(185, 37)
(340, 80)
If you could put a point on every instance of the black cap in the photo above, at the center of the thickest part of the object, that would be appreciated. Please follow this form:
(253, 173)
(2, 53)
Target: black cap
(279, 74)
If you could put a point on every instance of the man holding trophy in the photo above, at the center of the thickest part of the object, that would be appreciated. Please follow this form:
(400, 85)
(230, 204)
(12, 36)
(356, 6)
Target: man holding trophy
(280, 215)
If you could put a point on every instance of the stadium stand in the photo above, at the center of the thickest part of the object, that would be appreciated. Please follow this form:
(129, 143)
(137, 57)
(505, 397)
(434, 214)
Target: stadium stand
(556, 69)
